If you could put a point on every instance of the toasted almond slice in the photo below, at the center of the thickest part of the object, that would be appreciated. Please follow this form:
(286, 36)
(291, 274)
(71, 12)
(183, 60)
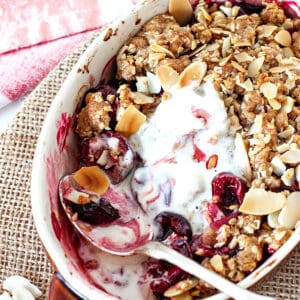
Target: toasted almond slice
(290, 214)
(225, 60)
(217, 263)
(181, 10)
(226, 46)
(287, 105)
(140, 98)
(167, 76)
(238, 66)
(278, 166)
(288, 177)
(288, 52)
(185, 296)
(247, 85)
(181, 287)
(241, 157)
(269, 90)
(259, 202)
(291, 157)
(219, 31)
(273, 219)
(274, 104)
(131, 121)
(283, 38)
(205, 14)
(161, 49)
(265, 30)
(92, 179)
(194, 72)
(243, 57)
(287, 133)
(235, 11)
(255, 66)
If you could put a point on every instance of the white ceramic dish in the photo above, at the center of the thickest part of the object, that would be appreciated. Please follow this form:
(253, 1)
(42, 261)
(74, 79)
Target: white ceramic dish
(56, 148)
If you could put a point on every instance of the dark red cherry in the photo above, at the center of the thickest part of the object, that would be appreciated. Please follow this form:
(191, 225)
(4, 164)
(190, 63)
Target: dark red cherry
(168, 223)
(94, 213)
(230, 188)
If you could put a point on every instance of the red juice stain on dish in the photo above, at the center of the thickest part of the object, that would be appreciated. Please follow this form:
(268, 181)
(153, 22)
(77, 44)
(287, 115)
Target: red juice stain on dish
(64, 125)
(91, 80)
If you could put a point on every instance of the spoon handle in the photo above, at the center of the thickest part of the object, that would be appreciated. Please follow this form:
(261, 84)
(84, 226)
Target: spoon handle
(160, 251)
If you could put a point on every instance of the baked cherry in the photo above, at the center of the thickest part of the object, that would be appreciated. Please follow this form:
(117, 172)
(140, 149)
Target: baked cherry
(230, 188)
(168, 223)
(111, 152)
(96, 213)
(163, 274)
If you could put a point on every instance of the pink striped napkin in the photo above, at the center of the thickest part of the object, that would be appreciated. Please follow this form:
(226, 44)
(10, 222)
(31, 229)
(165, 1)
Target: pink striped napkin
(36, 35)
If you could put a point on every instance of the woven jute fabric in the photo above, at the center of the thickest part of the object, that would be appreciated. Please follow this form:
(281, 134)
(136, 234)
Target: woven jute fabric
(21, 251)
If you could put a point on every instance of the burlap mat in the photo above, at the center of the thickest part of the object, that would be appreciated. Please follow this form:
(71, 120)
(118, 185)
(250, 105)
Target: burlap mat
(20, 250)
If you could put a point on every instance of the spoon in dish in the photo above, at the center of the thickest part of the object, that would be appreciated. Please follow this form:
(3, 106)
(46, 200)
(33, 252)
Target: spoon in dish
(129, 231)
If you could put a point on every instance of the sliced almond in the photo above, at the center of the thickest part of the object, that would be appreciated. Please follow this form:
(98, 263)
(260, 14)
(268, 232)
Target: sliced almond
(181, 10)
(291, 157)
(273, 219)
(92, 179)
(217, 263)
(225, 60)
(131, 121)
(290, 214)
(167, 76)
(287, 133)
(255, 66)
(185, 296)
(212, 162)
(265, 30)
(226, 46)
(278, 166)
(269, 90)
(259, 202)
(241, 157)
(287, 105)
(288, 177)
(194, 72)
(140, 98)
(283, 38)
(283, 148)
(247, 85)
(274, 104)
(205, 14)
(235, 11)
(288, 52)
(238, 66)
(243, 57)
(181, 287)
(161, 49)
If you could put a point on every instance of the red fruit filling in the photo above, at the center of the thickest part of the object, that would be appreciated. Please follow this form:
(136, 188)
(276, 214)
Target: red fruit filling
(168, 223)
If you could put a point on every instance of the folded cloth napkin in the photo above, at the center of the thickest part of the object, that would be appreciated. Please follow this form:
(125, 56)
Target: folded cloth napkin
(36, 35)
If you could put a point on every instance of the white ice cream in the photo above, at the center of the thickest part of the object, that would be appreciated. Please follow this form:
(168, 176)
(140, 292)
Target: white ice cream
(174, 177)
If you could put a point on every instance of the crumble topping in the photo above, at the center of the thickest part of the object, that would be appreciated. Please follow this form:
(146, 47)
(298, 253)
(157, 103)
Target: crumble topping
(254, 63)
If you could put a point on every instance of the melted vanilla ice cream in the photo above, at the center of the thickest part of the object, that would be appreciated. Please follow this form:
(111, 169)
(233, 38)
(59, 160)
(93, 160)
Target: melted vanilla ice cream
(175, 145)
